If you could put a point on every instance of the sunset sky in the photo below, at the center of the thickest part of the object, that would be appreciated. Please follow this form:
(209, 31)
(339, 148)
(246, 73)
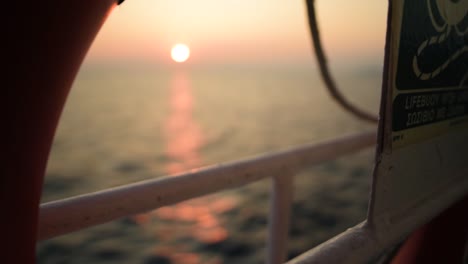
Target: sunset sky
(240, 31)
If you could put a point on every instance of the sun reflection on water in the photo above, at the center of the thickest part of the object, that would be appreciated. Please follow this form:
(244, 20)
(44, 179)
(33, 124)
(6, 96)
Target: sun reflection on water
(197, 219)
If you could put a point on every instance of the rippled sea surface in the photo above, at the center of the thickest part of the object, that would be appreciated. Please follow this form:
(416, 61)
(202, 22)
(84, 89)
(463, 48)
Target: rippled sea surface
(124, 124)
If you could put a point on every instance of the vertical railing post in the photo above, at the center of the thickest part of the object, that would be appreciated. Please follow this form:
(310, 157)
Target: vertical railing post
(278, 222)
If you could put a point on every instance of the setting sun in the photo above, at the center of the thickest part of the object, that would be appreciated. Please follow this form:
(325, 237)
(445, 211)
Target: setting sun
(180, 52)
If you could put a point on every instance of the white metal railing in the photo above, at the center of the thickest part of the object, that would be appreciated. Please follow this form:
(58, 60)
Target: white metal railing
(72, 214)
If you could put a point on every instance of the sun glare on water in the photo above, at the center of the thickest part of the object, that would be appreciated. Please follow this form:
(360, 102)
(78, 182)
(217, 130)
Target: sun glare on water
(180, 52)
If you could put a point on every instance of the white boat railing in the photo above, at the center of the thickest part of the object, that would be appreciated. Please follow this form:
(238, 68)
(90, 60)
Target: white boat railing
(75, 213)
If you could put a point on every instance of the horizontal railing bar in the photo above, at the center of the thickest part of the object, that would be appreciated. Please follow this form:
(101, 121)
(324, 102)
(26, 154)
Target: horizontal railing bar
(356, 245)
(364, 242)
(75, 213)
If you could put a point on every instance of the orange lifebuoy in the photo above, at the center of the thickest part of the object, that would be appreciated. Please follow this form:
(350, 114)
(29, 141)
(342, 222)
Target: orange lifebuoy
(44, 45)
(442, 240)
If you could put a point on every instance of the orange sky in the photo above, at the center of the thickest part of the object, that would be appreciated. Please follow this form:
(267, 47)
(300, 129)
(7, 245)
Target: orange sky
(239, 31)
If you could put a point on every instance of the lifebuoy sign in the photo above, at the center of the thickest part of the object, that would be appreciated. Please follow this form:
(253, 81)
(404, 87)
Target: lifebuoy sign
(430, 69)
(422, 158)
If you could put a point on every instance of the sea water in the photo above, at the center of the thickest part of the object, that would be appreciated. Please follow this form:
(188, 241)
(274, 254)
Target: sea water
(125, 123)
